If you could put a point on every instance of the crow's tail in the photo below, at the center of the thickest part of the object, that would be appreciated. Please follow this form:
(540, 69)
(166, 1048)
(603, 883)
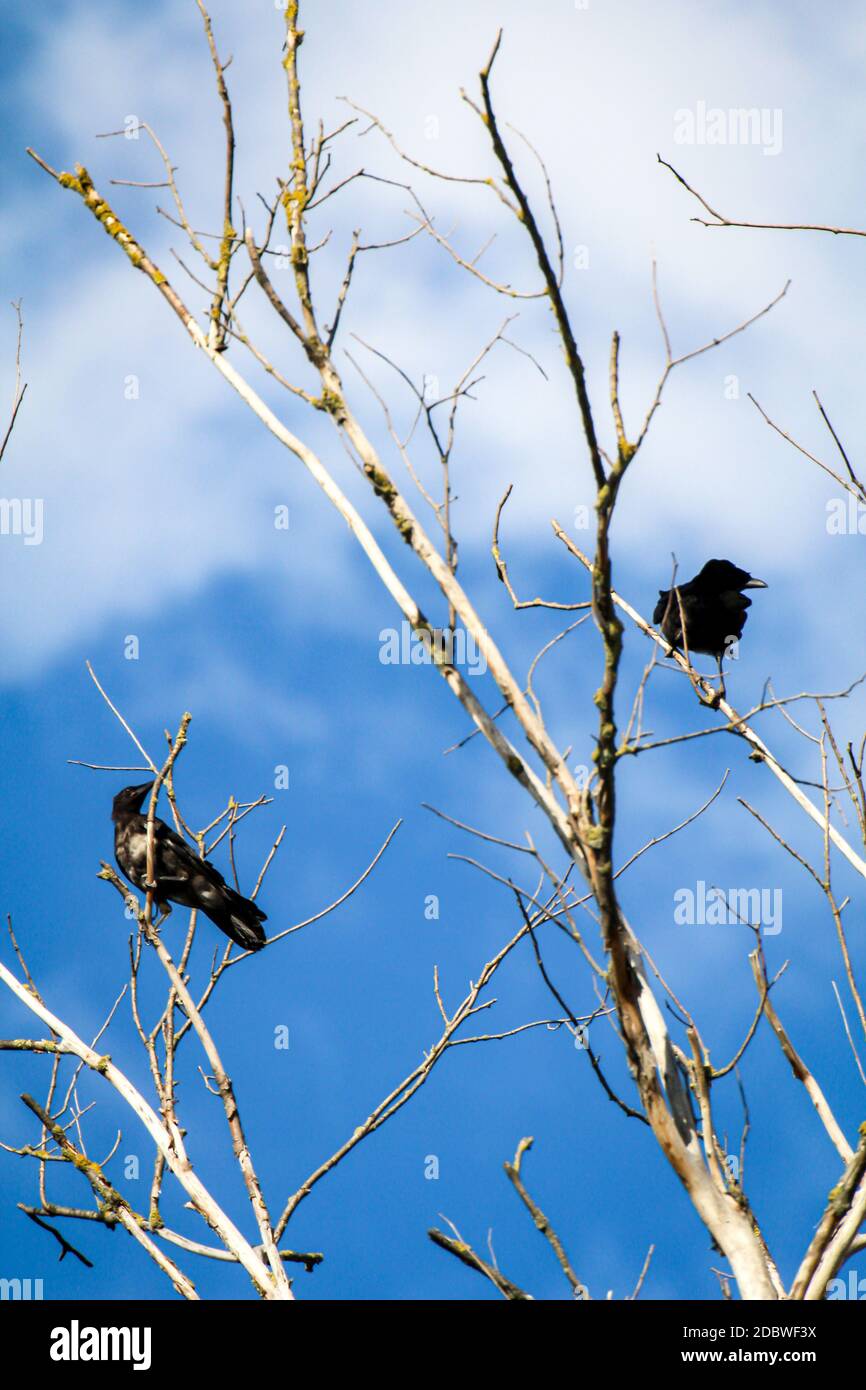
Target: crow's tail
(241, 920)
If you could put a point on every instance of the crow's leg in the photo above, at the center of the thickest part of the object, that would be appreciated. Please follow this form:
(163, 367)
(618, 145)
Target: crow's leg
(713, 700)
(163, 908)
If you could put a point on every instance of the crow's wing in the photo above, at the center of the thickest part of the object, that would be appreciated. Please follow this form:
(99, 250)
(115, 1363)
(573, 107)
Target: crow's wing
(176, 859)
(734, 605)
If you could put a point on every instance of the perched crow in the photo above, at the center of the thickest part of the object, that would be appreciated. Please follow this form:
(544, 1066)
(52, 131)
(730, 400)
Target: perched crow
(181, 876)
(713, 605)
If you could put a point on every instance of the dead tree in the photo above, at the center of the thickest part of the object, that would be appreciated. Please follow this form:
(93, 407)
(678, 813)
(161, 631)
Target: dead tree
(674, 1074)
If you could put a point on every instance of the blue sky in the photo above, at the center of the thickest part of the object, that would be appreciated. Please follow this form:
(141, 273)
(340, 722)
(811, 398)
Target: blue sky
(158, 523)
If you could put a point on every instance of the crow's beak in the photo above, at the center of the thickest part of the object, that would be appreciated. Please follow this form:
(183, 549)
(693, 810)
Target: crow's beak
(755, 584)
(143, 788)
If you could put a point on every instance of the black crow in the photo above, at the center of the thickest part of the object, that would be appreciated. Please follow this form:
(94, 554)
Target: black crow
(181, 876)
(713, 606)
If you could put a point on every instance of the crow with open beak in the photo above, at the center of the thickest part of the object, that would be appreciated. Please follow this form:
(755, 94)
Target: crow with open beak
(712, 606)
